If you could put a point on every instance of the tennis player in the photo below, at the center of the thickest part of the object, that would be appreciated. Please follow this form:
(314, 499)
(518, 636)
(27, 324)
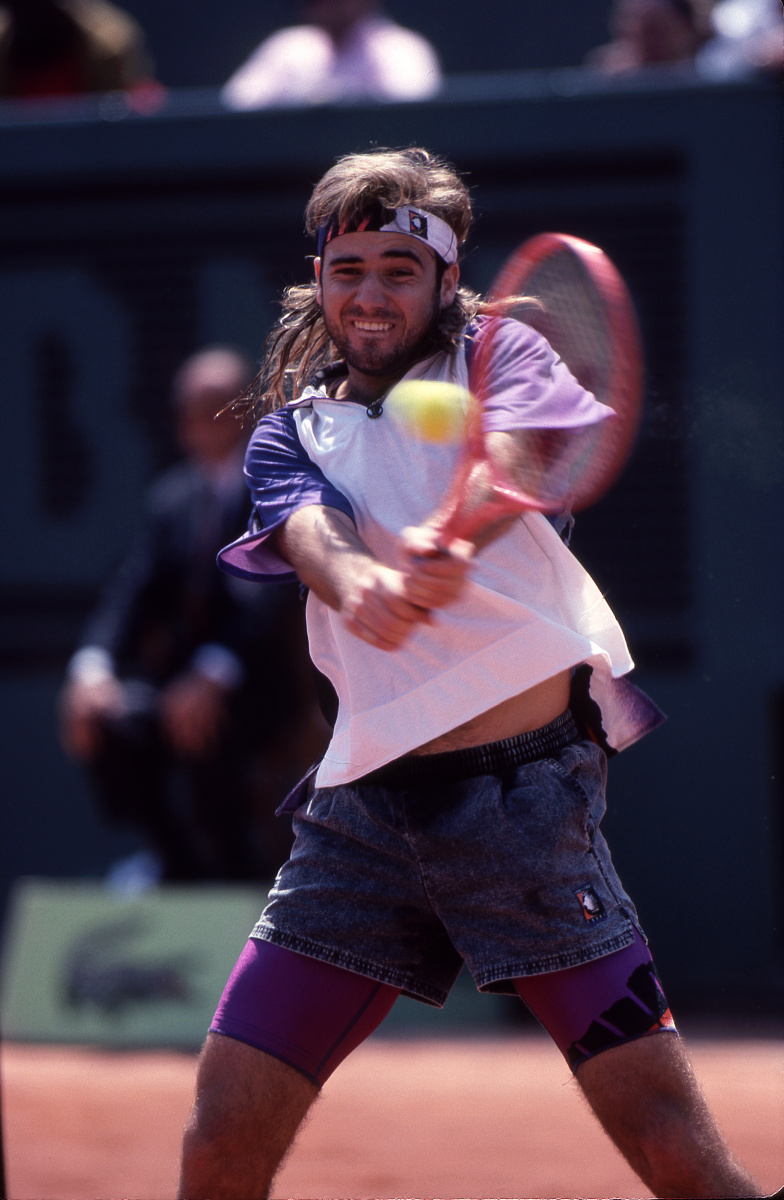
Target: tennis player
(456, 814)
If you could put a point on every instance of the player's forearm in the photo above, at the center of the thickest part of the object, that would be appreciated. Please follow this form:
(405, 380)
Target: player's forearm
(326, 551)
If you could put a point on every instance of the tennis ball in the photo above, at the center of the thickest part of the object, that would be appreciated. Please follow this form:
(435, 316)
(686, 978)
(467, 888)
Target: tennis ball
(430, 409)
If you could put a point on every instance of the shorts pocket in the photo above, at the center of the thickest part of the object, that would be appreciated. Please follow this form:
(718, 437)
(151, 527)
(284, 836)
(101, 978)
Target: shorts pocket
(319, 807)
(583, 767)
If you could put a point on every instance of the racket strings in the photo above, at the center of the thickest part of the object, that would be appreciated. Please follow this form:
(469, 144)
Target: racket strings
(573, 319)
(570, 293)
(578, 317)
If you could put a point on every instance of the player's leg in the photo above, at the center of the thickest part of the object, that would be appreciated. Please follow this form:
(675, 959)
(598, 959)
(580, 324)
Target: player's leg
(647, 1098)
(610, 1019)
(247, 1110)
(284, 1023)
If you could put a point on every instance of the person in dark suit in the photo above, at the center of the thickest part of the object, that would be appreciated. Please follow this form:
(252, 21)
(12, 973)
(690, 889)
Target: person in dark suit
(190, 700)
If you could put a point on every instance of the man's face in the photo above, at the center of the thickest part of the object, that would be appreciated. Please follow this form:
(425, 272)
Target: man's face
(381, 302)
(657, 30)
(204, 387)
(206, 433)
(336, 15)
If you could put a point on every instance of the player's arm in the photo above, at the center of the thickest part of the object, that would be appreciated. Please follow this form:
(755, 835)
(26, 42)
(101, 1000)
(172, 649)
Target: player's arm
(307, 528)
(379, 603)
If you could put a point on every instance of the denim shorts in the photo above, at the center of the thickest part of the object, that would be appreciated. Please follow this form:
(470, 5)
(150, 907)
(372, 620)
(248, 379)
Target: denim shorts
(469, 856)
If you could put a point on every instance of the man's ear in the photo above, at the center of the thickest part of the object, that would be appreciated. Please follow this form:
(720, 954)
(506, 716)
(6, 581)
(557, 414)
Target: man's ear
(317, 270)
(449, 282)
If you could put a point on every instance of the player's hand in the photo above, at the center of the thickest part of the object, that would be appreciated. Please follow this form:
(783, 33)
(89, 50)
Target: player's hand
(193, 714)
(434, 575)
(82, 708)
(377, 608)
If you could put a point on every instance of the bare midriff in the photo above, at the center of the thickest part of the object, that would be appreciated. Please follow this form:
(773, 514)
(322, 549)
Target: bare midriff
(530, 710)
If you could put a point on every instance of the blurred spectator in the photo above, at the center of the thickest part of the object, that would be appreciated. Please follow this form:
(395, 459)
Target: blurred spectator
(55, 48)
(344, 50)
(748, 37)
(652, 33)
(190, 701)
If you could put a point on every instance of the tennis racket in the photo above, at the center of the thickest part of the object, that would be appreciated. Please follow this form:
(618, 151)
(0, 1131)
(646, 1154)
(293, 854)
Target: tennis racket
(572, 294)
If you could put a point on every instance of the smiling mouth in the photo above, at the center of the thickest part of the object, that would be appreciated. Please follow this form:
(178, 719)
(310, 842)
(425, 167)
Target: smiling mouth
(373, 326)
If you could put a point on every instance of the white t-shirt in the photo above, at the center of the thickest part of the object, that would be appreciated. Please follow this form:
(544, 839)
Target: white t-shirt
(529, 610)
(379, 60)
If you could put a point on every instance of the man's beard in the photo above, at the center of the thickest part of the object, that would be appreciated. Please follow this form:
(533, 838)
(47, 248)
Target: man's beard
(372, 361)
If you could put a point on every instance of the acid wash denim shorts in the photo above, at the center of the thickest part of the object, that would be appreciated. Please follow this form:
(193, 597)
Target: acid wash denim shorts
(471, 855)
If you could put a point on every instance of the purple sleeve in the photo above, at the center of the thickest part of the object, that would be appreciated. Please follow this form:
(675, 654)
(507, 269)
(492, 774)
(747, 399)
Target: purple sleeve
(529, 386)
(281, 478)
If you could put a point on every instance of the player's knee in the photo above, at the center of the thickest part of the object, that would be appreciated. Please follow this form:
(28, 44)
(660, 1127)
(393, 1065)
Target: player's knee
(209, 1138)
(666, 1141)
(221, 1160)
(223, 1115)
(675, 1167)
(248, 1108)
(206, 1126)
(674, 1145)
(200, 1161)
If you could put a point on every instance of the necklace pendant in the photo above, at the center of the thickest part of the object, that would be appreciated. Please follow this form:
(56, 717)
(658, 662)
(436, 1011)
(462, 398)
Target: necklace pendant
(375, 409)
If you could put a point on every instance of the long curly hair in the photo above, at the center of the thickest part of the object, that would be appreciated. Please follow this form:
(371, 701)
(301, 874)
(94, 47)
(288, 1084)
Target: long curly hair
(299, 345)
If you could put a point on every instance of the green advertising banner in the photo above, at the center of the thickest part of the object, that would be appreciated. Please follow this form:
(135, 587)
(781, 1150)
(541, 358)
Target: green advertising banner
(84, 964)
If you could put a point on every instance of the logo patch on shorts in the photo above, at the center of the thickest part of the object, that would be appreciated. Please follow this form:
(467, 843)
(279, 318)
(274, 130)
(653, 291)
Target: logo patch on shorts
(593, 909)
(418, 224)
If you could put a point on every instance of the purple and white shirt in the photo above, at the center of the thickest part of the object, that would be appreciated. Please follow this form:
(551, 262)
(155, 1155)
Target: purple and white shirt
(529, 609)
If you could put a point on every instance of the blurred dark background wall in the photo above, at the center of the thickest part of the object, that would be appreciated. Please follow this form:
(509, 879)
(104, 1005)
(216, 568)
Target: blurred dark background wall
(128, 241)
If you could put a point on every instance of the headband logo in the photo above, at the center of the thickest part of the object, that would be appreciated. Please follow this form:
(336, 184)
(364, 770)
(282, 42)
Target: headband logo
(408, 221)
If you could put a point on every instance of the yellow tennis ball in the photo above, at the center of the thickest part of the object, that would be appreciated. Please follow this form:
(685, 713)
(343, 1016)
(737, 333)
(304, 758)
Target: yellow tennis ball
(430, 409)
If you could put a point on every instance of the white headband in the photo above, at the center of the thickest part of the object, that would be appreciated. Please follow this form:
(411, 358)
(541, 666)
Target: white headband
(429, 228)
(413, 222)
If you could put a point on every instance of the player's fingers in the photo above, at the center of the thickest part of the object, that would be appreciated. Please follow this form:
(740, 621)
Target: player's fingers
(430, 594)
(451, 563)
(382, 639)
(425, 541)
(420, 541)
(434, 582)
(459, 550)
(386, 622)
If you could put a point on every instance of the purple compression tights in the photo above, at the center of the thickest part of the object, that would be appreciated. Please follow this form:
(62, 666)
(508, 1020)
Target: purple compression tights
(312, 1014)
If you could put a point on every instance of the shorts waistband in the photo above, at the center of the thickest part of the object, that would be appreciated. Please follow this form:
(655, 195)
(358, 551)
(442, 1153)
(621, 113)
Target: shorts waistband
(419, 770)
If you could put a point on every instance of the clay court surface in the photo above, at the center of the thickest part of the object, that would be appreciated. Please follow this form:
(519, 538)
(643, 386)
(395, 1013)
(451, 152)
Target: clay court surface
(402, 1118)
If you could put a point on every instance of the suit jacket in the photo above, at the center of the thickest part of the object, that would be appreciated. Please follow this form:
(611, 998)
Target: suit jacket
(168, 598)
